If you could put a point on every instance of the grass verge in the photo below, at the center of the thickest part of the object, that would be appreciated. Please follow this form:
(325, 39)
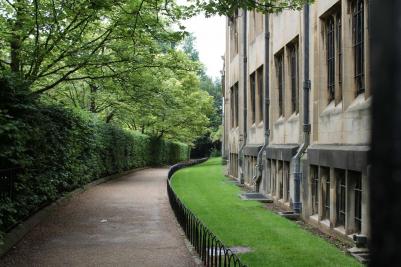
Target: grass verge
(274, 240)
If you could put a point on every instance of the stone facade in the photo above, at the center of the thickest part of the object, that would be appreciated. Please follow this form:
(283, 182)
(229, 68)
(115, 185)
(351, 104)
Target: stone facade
(265, 133)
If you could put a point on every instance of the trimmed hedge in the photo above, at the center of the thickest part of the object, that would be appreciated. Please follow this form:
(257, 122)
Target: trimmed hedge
(60, 150)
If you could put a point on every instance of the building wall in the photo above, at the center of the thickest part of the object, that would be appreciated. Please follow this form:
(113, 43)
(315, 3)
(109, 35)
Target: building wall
(334, 167)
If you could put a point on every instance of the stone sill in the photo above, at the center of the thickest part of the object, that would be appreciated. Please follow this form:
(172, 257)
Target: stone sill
(340, 230)
(314, 218)
(325, 222)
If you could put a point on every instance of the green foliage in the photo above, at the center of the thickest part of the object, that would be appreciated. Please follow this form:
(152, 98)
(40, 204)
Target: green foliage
(274, 241)
(49, 43)
(117, 59)
(210, 140)
(62, 149)
(168, 104)
(213, 88)
(189, 49)
(228, 7)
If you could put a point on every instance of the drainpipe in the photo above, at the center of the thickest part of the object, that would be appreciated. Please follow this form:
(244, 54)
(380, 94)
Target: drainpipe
(259, 166)
(223, 119)
(307, 126)
(245, 60)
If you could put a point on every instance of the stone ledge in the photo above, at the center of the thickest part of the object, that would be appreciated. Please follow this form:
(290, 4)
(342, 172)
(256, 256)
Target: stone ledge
(350, 157)
(281, 152)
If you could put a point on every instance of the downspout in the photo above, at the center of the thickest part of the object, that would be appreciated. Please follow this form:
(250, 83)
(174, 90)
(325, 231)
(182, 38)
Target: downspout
(306, 126)
(266, 121)
(223, 119)
(245, 60)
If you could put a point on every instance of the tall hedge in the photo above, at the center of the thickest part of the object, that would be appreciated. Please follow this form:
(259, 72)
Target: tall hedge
(59, 149)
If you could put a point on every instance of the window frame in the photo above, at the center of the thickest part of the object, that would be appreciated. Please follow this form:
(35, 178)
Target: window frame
(326, 207)
(252, 94)
(280, 81)
(280, 176)
(341, 199)
(314, 189)
(324, 174)
(358, 43)
(331, 57)
(358, 204)
(234, 106)
(273, 173)
(286, 177)
(260, 88)
(332, 44)
(293, 52)
(339, 44)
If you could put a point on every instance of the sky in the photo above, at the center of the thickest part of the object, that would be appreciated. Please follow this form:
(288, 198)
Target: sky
(210, 41)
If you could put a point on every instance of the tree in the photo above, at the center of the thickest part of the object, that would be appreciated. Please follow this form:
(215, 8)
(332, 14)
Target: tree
(47, 43)
(117, 59)
(210, 140)
(189, 49)
(174, 108)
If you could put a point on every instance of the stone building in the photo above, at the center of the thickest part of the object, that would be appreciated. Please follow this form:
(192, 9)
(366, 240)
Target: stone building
(297, 110)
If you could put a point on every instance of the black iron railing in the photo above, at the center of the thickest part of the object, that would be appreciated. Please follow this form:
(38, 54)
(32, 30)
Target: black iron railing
(210, 249)
(7, 182)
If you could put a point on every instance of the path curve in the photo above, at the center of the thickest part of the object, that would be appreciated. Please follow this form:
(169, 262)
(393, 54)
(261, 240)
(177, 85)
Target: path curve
(124, 222)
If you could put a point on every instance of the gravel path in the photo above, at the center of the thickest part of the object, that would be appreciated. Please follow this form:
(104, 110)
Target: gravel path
(125, 222)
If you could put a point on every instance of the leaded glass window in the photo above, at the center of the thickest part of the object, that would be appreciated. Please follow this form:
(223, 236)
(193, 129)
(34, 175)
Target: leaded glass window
(359, 46)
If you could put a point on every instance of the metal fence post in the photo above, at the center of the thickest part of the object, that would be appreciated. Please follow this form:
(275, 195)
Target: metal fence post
(206, 244)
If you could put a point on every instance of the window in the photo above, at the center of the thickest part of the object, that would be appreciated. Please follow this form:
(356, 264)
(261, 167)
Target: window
(273, 176)
(325, 182)
(339, 54)
(234, 105)
(234, 164)
(280, 174)
(280, 82)
(358, 42)
(252, 89)
(330, 58)
(341, 197)
(315, 189)
(287, 181)
(259, 74)
(327, 199)
(293, 51)
(358, 204)
(333, 46)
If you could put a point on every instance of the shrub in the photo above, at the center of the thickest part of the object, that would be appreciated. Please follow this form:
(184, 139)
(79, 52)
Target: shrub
(60, 149)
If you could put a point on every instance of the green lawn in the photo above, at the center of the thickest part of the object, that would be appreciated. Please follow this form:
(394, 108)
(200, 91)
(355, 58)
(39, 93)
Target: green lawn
(275, 241)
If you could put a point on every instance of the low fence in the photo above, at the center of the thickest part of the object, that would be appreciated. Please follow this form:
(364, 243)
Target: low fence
(210, 249)
(7, 182)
